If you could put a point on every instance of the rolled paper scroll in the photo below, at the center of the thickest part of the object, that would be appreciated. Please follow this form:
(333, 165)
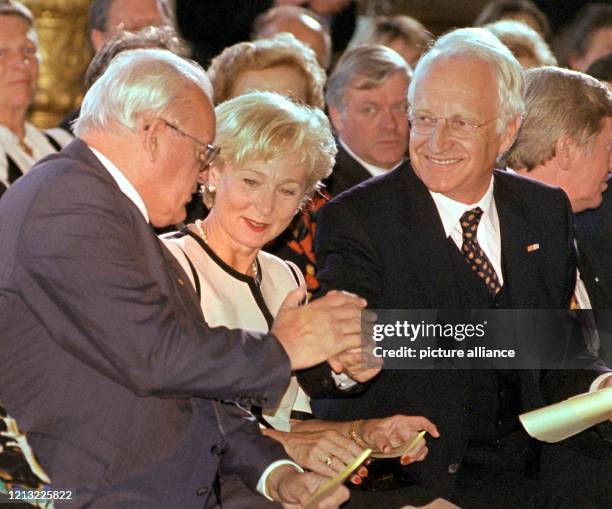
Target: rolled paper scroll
(565, 419)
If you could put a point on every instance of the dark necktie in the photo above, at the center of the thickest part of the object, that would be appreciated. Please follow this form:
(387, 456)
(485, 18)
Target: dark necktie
(474, 255)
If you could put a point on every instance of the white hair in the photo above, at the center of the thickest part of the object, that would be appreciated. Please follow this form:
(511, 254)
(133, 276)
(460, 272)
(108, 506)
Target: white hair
(136, 82)
(479, 43)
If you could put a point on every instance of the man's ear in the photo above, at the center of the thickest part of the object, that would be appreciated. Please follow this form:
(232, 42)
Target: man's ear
(97, 39)
(151, 131)
(564, 152)
(510, 134)
(337, 121)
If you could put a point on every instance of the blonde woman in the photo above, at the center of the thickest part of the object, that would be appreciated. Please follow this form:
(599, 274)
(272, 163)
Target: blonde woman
(273, 156)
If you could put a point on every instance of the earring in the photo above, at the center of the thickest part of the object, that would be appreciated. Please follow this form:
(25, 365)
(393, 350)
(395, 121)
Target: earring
(207, 191)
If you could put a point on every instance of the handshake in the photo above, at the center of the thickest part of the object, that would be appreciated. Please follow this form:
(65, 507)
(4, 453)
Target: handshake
(328, 329)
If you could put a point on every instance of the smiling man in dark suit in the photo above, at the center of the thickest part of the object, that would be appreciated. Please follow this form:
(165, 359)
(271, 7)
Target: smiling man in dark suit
(447, 231)
(366, 97)
(129, 399)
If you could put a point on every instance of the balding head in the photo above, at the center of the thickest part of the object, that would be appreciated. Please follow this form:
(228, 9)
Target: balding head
(302, 23)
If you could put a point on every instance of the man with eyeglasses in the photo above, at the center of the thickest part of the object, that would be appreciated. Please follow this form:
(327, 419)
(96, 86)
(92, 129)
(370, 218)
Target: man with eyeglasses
(446, 231)
(127, 396)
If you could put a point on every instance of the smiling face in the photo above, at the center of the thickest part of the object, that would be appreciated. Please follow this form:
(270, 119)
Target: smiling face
(374, 122)
(256, 202)
(18, 63)
(459, 168)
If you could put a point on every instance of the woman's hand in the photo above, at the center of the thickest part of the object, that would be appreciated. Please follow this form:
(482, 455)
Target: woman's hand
(293, 489)
(324, 452)
(391, 432)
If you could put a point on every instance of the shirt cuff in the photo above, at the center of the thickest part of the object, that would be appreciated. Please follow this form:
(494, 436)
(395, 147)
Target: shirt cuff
(261, 485)
(598, 380)
(343, 381)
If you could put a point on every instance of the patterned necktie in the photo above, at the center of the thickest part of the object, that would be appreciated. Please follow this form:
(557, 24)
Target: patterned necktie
(474, 255)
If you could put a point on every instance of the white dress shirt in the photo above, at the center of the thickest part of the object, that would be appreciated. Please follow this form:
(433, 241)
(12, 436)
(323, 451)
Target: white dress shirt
(488, 234)
(372, 169)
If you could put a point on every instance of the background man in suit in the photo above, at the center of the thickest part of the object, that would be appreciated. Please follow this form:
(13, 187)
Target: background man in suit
(366, 97)
(404, 240)
(128, 397)
(566, 141)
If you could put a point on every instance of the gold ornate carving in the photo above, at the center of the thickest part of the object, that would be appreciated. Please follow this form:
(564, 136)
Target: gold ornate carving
(62, 31)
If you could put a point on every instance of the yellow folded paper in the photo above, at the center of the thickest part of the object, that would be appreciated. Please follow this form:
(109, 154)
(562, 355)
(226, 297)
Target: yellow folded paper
(329, 486)
(562, 420)
(402, 450)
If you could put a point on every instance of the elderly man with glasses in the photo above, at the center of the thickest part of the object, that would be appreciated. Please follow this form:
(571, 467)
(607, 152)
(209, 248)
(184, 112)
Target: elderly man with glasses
(128, 397)
(446, 231)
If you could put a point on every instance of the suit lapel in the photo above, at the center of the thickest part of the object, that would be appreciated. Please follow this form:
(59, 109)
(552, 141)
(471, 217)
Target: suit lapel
(350, 171)
(424, 241)
(519, 246)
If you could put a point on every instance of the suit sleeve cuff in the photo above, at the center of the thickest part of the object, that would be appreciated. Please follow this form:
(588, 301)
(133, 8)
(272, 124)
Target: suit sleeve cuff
(343, 381)
(261, 485)
(595, 385)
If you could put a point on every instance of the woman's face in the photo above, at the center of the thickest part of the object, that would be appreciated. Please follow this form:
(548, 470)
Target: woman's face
(283, 79)
(255, 203)
(18, 63)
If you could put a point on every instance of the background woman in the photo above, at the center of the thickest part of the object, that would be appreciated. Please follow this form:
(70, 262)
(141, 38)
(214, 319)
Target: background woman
(273, 156)
(21, 144)
(285, 65)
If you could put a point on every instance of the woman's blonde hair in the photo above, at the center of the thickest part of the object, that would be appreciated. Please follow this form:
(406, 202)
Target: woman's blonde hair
(264, 126)
(282, 49)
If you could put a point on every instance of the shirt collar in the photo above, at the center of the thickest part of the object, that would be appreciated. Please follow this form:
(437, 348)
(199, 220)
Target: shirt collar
(451, 211)
(371, 168)
(124, 184)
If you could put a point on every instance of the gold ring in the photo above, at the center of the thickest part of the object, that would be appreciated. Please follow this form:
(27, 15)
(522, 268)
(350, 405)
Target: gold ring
(328, 461)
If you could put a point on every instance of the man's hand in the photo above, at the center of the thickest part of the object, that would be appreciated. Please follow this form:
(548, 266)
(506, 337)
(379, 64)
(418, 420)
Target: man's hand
(317, 331)
(357, 363)
(293, 489)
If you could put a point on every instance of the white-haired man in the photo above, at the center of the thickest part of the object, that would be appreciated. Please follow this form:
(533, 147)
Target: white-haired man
(448, 232)
(125, 392)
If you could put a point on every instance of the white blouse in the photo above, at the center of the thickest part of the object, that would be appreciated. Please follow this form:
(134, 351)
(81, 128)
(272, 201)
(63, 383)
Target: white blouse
(237, 301)
(35, 139)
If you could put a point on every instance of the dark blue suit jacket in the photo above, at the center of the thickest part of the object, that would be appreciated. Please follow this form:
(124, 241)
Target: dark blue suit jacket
(384, 240)
(106, 361)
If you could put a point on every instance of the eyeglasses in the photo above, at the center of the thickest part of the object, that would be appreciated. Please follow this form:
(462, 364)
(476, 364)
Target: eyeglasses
(457, 127)
(206, 155)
